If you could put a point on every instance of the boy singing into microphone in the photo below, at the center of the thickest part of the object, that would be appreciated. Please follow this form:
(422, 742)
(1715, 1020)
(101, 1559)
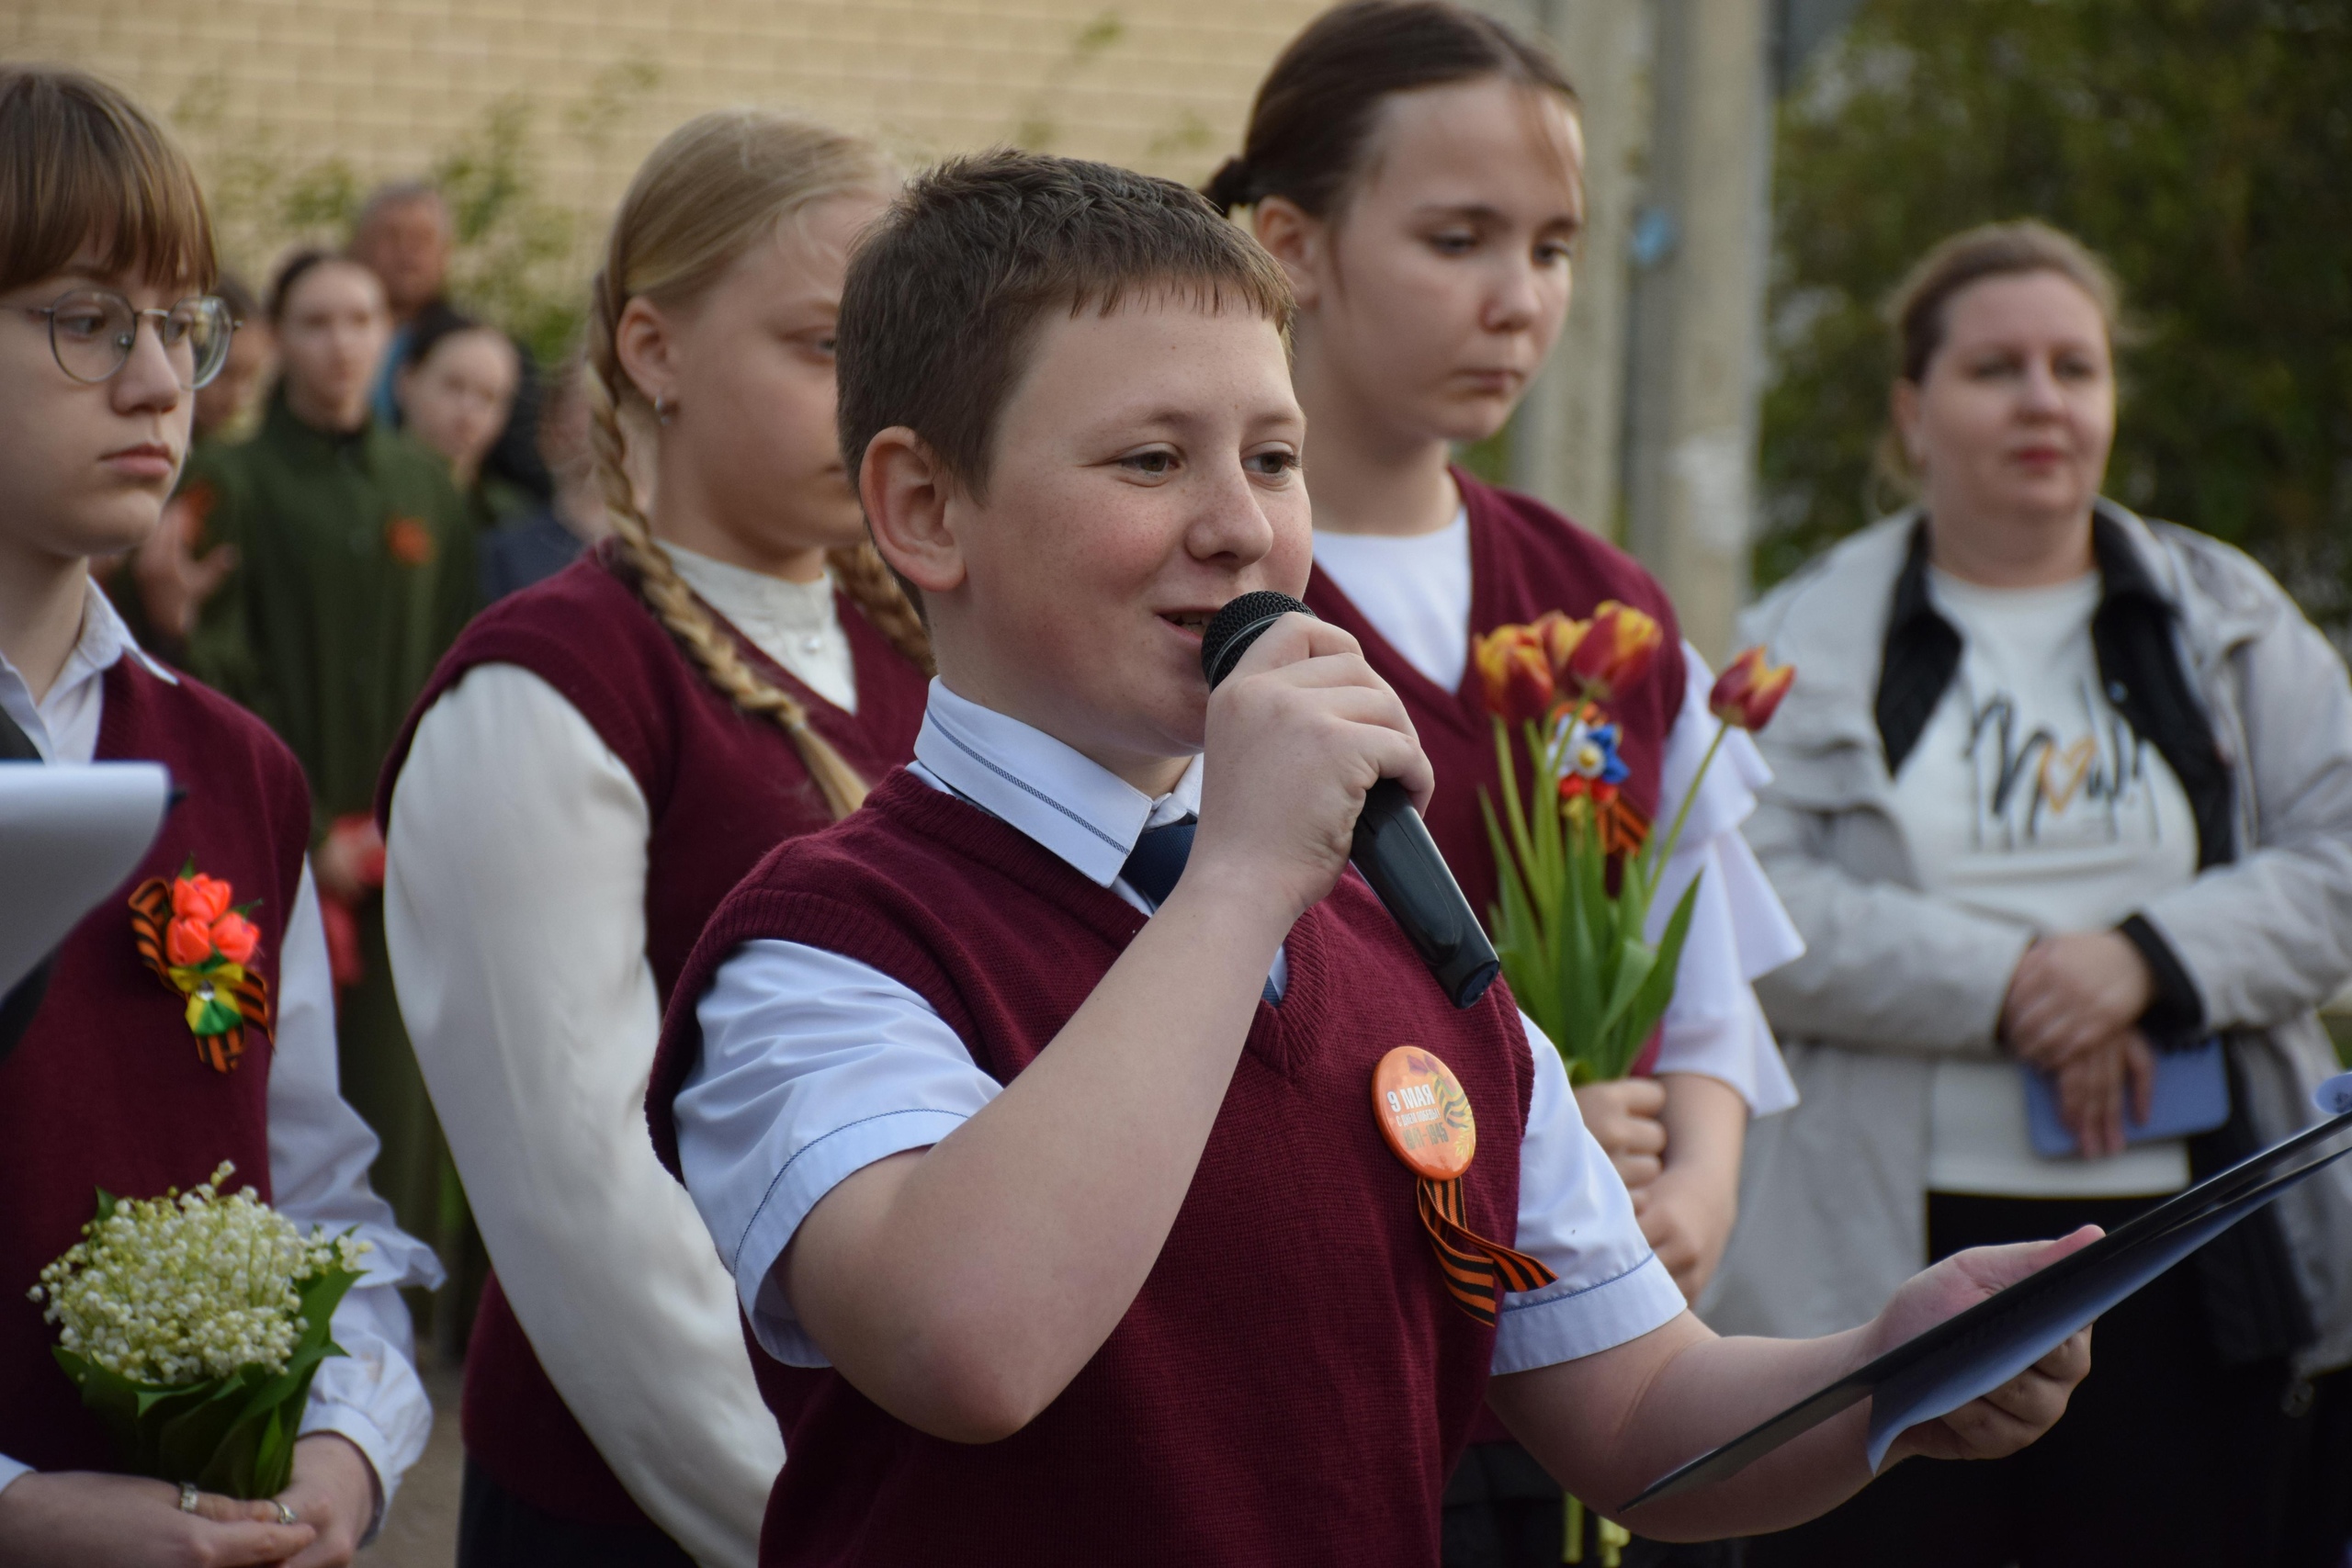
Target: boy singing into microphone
(1039, 1126)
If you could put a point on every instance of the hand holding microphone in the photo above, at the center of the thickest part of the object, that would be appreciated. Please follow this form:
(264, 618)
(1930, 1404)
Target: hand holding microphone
(1389, 845)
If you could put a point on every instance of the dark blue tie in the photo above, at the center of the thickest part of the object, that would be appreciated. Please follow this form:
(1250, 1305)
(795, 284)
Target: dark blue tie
(1158, 859)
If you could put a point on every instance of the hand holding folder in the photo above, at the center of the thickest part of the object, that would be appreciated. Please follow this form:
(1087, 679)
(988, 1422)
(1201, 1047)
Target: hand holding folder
(1970, 1354)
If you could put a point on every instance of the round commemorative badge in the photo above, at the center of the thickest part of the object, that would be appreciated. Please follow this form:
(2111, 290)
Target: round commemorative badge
(1423, 1113)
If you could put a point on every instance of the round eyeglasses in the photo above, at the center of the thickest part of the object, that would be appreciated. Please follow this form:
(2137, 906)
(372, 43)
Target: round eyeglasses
(92, 331)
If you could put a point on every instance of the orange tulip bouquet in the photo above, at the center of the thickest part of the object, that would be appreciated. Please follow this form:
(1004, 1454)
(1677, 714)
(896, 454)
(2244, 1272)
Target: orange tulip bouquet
(1579, 866)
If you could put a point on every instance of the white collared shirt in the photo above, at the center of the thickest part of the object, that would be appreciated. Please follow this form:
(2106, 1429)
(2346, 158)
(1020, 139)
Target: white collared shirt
(814, 1066)
(319, 1148)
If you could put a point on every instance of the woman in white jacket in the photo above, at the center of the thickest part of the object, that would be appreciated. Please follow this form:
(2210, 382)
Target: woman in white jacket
(2056, 789)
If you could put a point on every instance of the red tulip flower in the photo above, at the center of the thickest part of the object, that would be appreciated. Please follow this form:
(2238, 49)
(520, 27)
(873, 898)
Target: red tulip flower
(236, 937)
(1749, 690)
(187, 942)
(1514, 673)
(200, 898)
(1614, 653)
(1559, 637)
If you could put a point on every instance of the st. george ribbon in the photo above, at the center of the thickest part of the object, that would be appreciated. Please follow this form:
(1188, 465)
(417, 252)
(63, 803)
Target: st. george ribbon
(1393, 851)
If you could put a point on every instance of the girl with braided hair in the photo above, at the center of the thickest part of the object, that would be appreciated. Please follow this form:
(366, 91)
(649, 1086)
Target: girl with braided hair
(598, 762)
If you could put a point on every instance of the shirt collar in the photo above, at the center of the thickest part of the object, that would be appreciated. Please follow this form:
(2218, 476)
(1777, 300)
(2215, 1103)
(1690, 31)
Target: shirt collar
(1064, 801)
(103, 642)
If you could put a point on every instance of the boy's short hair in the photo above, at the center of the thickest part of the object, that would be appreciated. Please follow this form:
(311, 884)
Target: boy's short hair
(944, 295)
(82, 167)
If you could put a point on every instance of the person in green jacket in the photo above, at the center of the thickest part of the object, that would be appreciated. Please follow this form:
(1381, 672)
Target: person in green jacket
(354, 571)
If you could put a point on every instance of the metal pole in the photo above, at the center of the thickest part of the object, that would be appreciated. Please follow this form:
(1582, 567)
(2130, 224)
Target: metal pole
(1702, 248)
(1567, 443)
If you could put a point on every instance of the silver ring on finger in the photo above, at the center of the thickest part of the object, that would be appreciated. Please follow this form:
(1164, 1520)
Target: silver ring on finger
(286, 1515)
(188, 1495)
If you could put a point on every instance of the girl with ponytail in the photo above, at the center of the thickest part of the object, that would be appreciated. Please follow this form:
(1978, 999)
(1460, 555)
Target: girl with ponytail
(1417, 168)
(599, 760)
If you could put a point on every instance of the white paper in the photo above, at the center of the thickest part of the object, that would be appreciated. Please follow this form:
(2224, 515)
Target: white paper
(68, 837)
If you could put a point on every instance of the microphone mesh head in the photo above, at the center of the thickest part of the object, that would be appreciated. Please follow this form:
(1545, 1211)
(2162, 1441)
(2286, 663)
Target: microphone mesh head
(1232, 629)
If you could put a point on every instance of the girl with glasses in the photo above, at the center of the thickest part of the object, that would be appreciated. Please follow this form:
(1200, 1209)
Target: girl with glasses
(106, 330)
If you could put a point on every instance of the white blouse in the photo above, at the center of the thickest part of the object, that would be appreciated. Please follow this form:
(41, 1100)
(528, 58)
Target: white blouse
(514, 911)
(319, 1148)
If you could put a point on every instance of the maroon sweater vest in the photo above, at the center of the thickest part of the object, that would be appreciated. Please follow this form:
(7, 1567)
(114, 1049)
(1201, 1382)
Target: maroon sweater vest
(721, 788)
(1293, 1384)
(106, 1087)
(1525, 558)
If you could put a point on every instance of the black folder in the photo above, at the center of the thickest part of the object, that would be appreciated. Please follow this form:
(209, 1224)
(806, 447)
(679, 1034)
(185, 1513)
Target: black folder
(1975, 1351)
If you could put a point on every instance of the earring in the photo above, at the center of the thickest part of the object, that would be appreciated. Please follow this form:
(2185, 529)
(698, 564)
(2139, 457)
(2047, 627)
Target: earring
(661, 410)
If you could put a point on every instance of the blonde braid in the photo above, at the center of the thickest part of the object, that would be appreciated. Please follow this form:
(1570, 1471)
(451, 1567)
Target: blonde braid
(673, 603)
(863, 576)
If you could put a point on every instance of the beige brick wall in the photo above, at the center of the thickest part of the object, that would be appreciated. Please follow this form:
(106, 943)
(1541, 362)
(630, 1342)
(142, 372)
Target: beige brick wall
(268, 91)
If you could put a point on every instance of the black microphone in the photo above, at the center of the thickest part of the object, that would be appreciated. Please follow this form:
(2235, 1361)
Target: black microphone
(1393, 851)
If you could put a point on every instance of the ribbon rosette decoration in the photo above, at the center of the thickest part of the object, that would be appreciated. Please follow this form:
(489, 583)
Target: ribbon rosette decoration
(202, 948)
(193, 1324)
(1579, 866)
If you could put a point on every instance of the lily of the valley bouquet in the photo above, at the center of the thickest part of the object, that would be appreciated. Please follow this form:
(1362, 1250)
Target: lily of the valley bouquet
(1579, 866)
(192, 1323)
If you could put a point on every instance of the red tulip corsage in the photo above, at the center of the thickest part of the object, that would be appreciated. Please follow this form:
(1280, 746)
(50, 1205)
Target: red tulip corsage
(202, 948)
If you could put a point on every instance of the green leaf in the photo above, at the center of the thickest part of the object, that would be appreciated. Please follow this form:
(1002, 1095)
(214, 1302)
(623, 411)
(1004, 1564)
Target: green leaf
(1657, 991)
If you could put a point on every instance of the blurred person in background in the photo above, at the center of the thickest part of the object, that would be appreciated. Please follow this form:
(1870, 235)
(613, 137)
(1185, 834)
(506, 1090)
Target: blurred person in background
(107, 335)
(1415, 167)
(2061, 789)
(456, 388)
(355, 571)
(544, 541)
(221, 407)
(598, 763)
(407, 237)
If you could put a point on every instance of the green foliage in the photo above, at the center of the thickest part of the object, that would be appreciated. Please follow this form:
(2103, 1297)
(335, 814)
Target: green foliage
(519, 260)
(514, 261)
(1571, 948)
(2200, 146)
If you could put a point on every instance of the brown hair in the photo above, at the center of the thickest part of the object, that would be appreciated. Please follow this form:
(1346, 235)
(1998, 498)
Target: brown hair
(944, 296)
(1315, 112)
(82, 164)
(715, 186)
(1918, 309)
(294, 269)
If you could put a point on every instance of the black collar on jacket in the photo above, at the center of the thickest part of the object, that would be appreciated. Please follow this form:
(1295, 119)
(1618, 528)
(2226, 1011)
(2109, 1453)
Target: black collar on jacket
(2139, 659)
